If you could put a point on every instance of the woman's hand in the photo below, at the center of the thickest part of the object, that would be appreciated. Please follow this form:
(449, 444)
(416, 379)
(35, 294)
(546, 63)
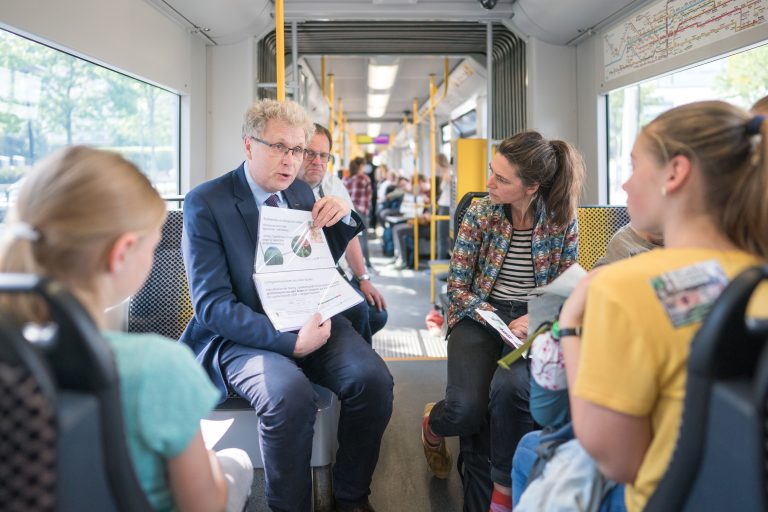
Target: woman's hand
(519, 327)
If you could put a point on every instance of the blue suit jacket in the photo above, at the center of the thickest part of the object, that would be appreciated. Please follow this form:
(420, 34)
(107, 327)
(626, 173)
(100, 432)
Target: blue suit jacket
(219, 243)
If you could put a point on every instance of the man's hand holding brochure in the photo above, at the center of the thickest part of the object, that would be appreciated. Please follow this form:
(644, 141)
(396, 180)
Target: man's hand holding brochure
(294, 270)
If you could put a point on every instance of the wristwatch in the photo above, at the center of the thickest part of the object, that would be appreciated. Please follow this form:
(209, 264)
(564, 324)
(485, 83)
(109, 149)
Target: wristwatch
(364, 277)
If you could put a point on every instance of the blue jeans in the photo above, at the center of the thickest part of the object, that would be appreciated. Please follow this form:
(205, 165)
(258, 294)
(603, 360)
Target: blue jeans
(483, 400)
(525, 457)
(279, 389)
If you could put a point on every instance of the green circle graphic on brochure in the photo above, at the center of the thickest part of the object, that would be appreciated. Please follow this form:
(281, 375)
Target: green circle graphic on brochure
(273, 256)
(301, 247)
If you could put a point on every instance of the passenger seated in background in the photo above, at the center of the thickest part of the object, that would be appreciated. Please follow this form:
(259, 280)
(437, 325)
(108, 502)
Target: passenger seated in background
(701, 178)
(369, 316)
(523, 235)
(91, 220)
(402, 233)
(387, 183)
(628, 242)
(393, 198)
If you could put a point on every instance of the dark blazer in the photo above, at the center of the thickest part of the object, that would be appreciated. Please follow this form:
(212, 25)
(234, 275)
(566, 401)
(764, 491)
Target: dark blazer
(219, 244)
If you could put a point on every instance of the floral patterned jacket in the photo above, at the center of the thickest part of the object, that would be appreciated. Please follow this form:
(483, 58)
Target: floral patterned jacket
(481, 247)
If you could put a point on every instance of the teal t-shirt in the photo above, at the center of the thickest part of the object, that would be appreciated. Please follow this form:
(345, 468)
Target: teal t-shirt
(165, 394)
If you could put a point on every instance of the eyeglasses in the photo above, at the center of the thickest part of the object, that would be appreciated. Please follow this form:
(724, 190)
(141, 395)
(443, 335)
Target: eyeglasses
(310, 156)
(279, 149)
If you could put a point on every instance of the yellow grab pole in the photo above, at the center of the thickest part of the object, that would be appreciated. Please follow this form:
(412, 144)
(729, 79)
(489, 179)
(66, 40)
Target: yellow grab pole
(432, 155)
(445, 82)
(331, 113)
(280, 51)
(322, 74)
(416, 121)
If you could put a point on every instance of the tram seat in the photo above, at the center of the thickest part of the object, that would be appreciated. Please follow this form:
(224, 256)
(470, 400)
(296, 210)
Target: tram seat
(719, 461)
(597, 224)
(62, 415)
(164, 306)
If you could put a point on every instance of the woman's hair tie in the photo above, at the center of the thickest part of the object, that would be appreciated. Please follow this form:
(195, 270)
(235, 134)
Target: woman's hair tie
(20, 230)
(754, 124)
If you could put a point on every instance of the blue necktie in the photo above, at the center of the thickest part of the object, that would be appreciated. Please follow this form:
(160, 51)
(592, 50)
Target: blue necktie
(271, 201)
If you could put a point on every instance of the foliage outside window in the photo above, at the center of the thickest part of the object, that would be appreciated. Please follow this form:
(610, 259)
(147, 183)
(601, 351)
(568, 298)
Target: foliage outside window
(740, 79)
(50, 99)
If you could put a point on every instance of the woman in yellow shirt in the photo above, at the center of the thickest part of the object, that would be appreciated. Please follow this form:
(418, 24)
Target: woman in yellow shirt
(700, 177)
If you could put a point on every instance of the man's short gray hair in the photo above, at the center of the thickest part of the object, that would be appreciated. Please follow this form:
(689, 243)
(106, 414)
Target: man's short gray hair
(258, 114)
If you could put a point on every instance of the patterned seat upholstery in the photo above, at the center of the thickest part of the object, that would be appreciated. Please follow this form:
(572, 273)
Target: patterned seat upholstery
(61, 418)
(28, 429)
(164, 305)
(597, 224)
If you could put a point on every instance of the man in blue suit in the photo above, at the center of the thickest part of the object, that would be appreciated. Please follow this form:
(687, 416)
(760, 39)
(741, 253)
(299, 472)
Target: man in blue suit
(236, 342)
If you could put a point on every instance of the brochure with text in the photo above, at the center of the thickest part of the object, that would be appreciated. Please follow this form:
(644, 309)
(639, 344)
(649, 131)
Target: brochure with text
(294, 270)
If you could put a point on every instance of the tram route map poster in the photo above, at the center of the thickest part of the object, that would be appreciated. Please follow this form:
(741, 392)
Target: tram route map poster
(294, 271)
(668, 28)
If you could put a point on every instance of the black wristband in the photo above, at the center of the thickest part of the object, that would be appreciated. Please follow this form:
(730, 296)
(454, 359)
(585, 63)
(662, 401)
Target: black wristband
(570, 331)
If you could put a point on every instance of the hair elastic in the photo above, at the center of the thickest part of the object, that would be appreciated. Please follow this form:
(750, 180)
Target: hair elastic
(753, 126)
(16, 230)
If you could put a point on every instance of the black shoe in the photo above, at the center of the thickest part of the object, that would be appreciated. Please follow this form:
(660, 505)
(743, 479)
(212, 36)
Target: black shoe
(354, 506)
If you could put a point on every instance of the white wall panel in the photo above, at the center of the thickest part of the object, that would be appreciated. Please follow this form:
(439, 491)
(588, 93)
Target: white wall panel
(230, 92)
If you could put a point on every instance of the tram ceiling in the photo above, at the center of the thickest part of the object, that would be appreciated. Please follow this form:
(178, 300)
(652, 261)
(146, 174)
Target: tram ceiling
(420, 33)
(418, 48)
(552, 21)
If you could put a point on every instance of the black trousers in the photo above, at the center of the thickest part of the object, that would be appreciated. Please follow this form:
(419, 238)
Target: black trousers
(485, 404)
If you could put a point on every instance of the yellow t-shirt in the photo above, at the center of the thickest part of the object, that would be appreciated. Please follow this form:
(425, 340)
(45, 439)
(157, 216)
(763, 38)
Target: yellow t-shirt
(633, 360)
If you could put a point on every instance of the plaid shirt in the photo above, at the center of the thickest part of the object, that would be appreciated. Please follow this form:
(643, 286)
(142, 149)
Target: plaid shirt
(481, 247)
(360, 190)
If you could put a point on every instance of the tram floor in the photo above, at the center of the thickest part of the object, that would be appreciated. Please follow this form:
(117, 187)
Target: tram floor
(402, 482)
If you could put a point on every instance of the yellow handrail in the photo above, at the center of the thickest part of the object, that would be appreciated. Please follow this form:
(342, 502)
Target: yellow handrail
(432, 154)
(329, 98)
(434, 218)
(280, 50)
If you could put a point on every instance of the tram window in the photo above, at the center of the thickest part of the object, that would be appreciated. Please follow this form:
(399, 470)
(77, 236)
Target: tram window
(466, 124)
(50, 99)
(445, 146)
(740, 79)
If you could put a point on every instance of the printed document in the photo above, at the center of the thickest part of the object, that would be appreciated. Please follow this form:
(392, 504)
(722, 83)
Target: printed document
(502, 328)
(294, 270)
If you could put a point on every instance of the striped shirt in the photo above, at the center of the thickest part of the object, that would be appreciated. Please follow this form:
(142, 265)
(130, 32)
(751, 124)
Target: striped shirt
(515, 280)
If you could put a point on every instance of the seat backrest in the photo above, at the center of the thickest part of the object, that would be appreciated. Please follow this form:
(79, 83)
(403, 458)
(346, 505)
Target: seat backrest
(597, 224)
(28, 429)
(718, 462)
(163, 305)
(461, 208)
(82, 364)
